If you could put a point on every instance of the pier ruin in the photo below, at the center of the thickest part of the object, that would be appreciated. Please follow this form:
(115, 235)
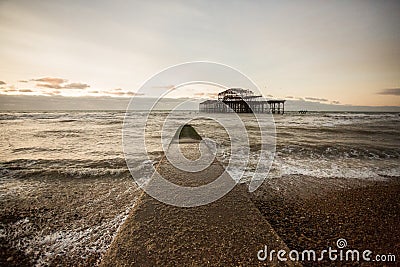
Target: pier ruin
(242, 101)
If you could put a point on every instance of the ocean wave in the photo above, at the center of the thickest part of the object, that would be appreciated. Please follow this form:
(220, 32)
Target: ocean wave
(336, 151)
(329, 169)
(59, 169)
(320, 169)
(35, 149)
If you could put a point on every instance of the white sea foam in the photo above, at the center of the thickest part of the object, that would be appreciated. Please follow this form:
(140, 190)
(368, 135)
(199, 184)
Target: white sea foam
(78, 242)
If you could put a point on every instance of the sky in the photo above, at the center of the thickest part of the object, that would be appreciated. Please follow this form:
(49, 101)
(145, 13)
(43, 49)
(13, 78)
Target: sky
(331, 52)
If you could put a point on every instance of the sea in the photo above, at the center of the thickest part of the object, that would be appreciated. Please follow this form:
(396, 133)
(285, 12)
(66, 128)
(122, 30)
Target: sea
(85, 143)
(87, 147)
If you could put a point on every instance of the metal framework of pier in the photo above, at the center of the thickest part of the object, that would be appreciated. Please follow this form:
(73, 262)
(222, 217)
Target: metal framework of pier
(242, 101)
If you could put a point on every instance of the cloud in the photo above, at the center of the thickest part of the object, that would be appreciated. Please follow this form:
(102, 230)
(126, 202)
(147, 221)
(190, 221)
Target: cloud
(390, 91)
(119, 92)
(166, 87)
(8, 90)
(270, 95)
(133, 94)
(114, 93)
(75, 86)
(212, 95)
(58, 83)
(53, 93)
(50, 80)
(51, 86)
(290, 97)
(335, 102)
(206, 95)
(316, 99)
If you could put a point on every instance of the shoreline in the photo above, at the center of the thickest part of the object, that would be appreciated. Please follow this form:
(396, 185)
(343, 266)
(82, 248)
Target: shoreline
(306, 212)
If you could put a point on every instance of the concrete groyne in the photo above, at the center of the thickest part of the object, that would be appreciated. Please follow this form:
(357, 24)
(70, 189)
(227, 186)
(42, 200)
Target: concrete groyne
(227, 232)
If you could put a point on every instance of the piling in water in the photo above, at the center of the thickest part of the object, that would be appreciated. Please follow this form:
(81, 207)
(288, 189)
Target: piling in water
(187, 132)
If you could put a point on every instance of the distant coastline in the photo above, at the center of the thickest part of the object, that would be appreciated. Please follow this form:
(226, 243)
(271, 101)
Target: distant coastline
(54, 103)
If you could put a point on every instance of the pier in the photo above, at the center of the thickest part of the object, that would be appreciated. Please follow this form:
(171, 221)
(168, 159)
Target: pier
(277, 106)
(242, 101)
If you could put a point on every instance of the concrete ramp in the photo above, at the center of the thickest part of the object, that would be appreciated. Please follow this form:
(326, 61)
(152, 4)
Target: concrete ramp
(227, 232)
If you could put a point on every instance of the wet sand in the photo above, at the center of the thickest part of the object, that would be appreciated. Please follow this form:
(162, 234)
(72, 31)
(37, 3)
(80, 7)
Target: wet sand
(313, 213)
